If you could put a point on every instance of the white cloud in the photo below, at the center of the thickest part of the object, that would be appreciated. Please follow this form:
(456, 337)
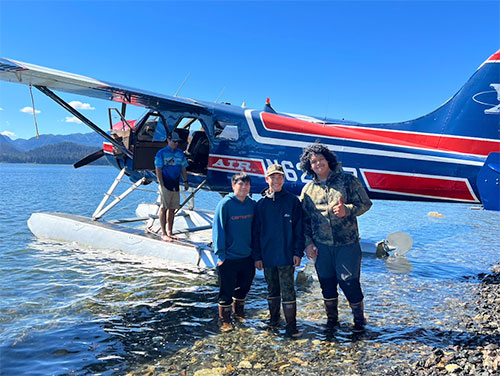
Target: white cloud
(1, 109)
(8, 134)
(81, 106)
(72, 119)
(29, 110)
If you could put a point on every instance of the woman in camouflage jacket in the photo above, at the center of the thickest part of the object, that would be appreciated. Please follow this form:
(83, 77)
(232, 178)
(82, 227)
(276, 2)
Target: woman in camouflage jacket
(331, 202)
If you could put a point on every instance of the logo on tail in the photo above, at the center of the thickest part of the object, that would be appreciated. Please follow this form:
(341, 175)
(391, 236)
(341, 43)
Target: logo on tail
(478, 98)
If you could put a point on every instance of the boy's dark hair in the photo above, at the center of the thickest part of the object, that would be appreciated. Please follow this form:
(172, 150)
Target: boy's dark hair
(316, 148)
(240, 176)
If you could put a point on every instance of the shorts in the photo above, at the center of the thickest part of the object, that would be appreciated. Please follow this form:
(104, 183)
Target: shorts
(169, 199)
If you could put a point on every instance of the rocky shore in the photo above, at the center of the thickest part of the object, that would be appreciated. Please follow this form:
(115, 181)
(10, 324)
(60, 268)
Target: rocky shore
(472, 348)
(477, 353)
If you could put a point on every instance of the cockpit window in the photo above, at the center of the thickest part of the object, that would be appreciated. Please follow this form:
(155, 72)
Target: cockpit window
(153, 129)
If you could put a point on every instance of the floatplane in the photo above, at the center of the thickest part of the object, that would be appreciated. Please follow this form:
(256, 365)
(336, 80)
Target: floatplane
(451, 154)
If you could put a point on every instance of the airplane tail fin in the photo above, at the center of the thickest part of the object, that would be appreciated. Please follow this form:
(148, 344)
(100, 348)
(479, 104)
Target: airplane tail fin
(474, 111)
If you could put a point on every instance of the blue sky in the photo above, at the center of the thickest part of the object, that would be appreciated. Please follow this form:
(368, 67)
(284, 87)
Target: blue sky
(368, 61)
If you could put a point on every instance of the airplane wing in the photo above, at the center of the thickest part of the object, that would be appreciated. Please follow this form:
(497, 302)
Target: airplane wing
(29, 74)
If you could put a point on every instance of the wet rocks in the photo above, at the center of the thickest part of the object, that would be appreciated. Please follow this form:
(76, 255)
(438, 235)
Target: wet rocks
(470, 348)
(477, 352)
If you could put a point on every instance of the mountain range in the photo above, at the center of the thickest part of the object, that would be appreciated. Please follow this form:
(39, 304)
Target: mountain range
(50, 149)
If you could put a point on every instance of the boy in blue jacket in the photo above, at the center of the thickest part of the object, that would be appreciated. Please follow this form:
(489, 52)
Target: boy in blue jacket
(232, 239)
(278, 245)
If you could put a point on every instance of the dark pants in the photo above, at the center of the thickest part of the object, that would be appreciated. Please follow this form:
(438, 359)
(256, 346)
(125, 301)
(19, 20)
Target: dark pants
(280, 282)
(340, 265)
(235, 279)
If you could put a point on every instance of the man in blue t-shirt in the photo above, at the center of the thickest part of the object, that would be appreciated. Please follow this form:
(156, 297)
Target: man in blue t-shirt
(170, 164)
(232, 239)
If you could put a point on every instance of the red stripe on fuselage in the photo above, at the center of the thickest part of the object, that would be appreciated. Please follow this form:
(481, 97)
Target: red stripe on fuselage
(381, 136)
(107, 147)
(433, 187)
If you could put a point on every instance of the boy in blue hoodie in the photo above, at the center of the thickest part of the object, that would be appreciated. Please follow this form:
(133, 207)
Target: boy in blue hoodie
(278, 245)
(232, 239)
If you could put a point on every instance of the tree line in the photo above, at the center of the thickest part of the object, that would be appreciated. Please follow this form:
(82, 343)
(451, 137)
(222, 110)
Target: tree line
(60, 153)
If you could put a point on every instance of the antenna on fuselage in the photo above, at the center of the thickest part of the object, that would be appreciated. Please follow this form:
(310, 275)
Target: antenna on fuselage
(268, 107)
(183, 82)
(222, 92)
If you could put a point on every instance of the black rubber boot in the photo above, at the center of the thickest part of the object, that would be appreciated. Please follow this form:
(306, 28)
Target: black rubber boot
(290, 312)
(239, 309)
(274, 310)
(332, 313)
(359, 317)
(225, 317)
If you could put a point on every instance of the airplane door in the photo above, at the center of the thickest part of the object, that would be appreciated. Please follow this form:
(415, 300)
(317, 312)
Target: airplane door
(150, 138)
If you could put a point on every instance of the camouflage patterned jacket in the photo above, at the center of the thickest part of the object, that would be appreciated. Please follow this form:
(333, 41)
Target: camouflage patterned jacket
(318, 199)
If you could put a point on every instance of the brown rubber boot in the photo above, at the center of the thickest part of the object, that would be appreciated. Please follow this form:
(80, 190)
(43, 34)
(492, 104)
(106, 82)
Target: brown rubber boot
(225, 317)
(290, 312)
(359, 317)
(274, 310)
(239, 309)
(332, 313)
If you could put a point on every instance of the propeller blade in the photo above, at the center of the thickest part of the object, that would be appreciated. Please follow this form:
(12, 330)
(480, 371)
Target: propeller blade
(400, 242)
(89, 158)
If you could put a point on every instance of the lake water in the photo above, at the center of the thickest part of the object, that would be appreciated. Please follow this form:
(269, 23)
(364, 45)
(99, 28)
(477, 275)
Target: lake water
(66, 309)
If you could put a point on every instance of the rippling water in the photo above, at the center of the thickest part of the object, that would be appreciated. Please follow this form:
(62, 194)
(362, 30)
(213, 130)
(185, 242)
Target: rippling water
(65, 309)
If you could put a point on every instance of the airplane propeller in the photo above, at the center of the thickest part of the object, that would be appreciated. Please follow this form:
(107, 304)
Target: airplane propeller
(89, 159)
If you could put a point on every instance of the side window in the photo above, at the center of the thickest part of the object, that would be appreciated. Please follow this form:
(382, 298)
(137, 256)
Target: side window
(153, 130)
(226, 131)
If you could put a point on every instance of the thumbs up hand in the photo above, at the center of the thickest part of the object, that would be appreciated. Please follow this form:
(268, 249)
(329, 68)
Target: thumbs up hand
(339, 209)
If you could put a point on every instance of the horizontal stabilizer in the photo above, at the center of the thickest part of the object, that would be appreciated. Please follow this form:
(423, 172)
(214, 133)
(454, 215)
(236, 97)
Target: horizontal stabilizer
(488, 182)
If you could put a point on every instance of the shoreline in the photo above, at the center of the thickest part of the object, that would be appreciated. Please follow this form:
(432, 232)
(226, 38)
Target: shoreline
(471, 349)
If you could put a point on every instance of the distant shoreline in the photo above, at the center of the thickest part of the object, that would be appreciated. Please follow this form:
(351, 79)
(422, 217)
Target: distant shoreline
(51, 164)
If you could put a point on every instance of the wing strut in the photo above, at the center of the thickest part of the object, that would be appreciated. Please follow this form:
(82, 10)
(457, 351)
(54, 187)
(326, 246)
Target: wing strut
(86, 121)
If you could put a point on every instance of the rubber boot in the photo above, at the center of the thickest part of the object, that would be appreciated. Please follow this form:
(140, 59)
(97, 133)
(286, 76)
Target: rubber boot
(359, 317)
(332, 313)
(239, 309)
(290, 312)
(274, 310)
(225, 317)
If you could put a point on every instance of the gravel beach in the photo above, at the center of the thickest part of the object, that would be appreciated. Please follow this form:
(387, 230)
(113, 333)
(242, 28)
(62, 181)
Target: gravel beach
(470, 349)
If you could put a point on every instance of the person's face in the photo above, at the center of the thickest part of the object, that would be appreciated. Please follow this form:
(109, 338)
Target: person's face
(241, 189)
(319, 165)
(172, 144)
(275, 182)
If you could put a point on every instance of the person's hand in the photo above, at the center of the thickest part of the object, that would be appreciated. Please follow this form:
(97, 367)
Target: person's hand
(339, 209)
(219, 263)
(186, 185)
(259, 265)
(296, 261)
(312, 251)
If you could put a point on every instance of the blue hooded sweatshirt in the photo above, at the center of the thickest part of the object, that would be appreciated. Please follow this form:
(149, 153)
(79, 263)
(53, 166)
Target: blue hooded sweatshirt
(232, 228)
